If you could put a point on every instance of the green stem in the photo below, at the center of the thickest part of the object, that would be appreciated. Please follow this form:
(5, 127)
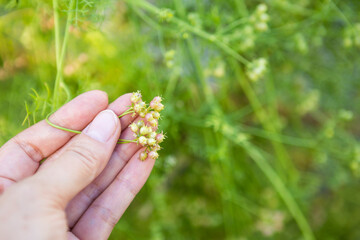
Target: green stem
(60, 60)
(57, 32)
(285, 165)
(130, 110)
(59, 127)
(281, 189)
(242, 8)
(120, 141)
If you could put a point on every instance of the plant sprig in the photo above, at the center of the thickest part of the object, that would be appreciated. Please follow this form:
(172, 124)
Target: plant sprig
(145, 132)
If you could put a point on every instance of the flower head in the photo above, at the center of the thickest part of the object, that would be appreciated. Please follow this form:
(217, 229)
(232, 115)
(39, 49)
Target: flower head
(256, 69)
(152, 135)
(143, 156)
(153, 155)
(260, 18)
(140, 123)
(160, 138)
(153, 123)
(145, 131)
(134, 127)
(149, 117)
(158, 107)
(156, 147)
(135, 97)
(155, 114)
(151, 141)
(157, 99)
(142, 141)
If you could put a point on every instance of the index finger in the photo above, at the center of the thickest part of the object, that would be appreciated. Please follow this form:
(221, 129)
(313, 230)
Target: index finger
(20, 156)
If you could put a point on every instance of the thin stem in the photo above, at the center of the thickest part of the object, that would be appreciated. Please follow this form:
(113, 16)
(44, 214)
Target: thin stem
(62, 56)
(120, 141)
(59, 127)
(281, 189)
(123, 141)
(130, 110)
(57, 32)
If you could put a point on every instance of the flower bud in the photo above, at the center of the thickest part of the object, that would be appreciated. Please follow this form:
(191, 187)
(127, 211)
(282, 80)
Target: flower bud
(134, 127)
(152, 135)
(157, 99)
(153, 155)
(153, 123)
(261, 8)
(135, 97)
(155, 115)
(137, 108)
(151, 141)
(158, 107)
(142, 104)
(156, 147)
(153, 104)
(140, 123)
(149, 117)
(144, 130)
(143, 156)
(142, 140)
(142, 113)
(160, 138)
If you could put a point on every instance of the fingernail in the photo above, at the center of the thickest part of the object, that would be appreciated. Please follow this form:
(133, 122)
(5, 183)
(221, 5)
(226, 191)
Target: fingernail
(103, 126)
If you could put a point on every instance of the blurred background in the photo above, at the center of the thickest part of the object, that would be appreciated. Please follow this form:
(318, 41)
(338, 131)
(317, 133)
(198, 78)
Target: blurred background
(261, 105)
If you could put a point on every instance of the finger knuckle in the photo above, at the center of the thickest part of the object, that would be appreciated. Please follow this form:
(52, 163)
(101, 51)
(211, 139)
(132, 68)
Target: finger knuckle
(89, 159)
(128, 184)
(107, 215)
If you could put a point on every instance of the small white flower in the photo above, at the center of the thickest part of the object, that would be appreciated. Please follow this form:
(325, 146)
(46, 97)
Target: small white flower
(256, 69)
(142, 140)
(151, 141)
(134, 127)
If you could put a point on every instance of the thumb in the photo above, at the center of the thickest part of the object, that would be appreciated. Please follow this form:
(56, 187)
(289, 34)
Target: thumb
(81, 160)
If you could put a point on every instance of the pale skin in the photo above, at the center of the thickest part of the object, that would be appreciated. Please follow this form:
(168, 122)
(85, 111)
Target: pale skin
(86, 182)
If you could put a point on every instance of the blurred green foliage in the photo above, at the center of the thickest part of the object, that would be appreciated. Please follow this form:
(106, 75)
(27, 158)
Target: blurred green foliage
(261, 101)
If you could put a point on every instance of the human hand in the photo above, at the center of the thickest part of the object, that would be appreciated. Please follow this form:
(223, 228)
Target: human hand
(86, 182)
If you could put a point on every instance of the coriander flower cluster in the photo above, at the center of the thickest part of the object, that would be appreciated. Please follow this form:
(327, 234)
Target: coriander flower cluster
(256, 69)
(260, 18)
(145, 131)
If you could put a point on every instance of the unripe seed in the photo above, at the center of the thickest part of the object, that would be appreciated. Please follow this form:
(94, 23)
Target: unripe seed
(157, 99)
(159, 107)
(142, 140)
(149, 117)
(153, 104)
(142, 113)
(152, 135)
(137, 108)
(153, 155)
(143, 156)
(160, 138)
(142, 104)
(135, 97)
(134, 127)
(156, 147)
(155, 115)
(153, 123)
(144, 130)
(151, 141)
(140, 123)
